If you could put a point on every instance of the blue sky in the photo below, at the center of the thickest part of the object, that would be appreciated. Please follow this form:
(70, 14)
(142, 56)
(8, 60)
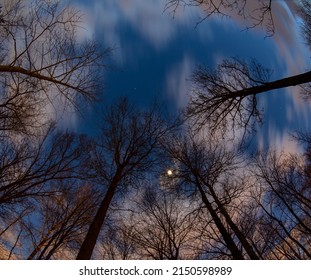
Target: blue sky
(155, 54)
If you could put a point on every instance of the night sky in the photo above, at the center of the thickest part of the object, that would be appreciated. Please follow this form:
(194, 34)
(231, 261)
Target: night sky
(155, 53)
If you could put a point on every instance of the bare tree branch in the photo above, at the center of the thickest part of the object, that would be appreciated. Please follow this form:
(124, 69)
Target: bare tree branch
(253, 12)
(42, 58)
(227, 97)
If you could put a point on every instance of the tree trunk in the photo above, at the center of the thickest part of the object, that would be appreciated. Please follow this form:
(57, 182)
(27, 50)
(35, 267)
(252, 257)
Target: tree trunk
(248, 248)
(87, 247)
(282, 83)
(236, 253)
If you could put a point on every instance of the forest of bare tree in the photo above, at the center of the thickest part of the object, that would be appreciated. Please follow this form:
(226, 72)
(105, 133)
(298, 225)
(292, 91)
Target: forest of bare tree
(147, 185)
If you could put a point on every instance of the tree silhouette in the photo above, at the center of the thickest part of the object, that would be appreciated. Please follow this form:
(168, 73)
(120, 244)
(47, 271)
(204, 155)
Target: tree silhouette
(116, 241)
(27, 166)
(58, 190)
(64, 217)
(34, 170)
(203, 168)
(165, 227)
(126, 150)
(43, 61)
(253, 12)
(283, 197)
(227, 97)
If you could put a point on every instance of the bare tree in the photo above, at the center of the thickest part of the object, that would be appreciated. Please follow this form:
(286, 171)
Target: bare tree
(164, 226)
(127, 144)
(11, 234)
(283, 196)
(62, 221)
(34, 171)
(227, 97)
(152, 224)
(116, 241)
(27, 166)
(42, 61)
(54, 225)
(253, 12)
(205, 169)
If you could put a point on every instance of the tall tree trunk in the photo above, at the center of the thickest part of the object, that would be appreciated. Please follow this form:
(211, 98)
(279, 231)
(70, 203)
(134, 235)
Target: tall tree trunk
(236, 253)
(282, 83)
(87, 247)
(246, 245)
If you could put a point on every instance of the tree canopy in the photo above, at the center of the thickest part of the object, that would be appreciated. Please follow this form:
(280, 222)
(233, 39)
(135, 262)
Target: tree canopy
(145, 186)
